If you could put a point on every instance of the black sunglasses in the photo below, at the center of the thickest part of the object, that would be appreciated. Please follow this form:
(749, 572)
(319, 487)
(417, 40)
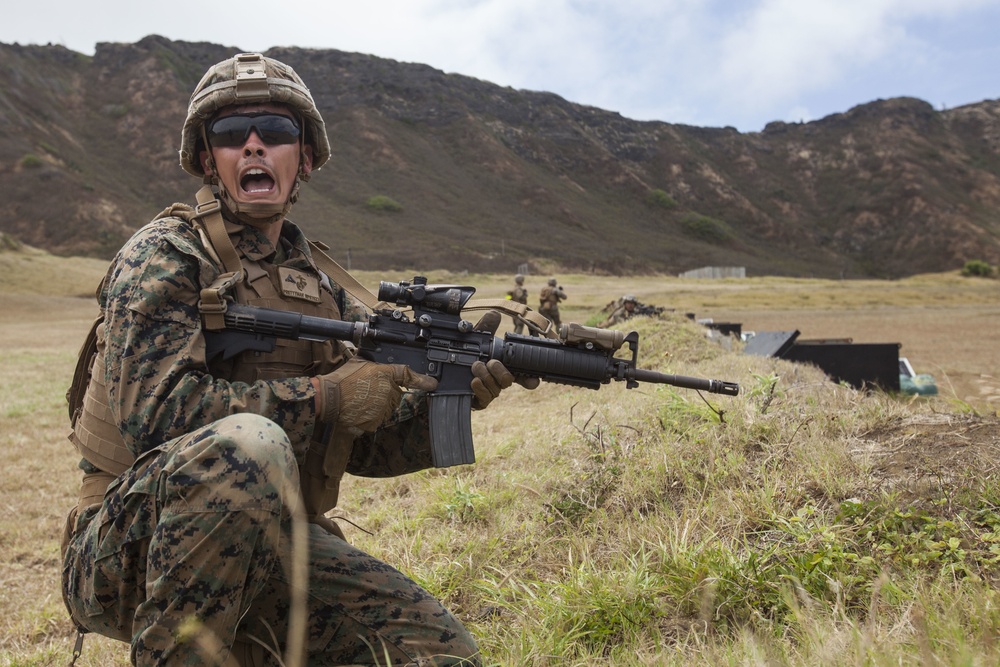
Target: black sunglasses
(272, 128)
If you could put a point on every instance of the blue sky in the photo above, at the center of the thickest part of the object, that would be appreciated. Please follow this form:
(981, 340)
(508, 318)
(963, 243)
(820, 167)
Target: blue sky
(709, 63)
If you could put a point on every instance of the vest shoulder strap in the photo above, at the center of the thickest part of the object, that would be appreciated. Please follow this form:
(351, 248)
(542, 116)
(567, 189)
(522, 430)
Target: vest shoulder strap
(81, 374)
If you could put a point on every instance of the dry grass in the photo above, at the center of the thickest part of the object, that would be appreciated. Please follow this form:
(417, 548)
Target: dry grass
(532, 446)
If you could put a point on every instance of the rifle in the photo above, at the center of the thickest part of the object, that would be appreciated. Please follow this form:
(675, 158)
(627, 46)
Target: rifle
(434, 340)
(652, 311)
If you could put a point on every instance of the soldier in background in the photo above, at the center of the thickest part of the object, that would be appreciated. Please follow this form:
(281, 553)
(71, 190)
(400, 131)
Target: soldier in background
(549, 299)
(625, 309)
(518, 294)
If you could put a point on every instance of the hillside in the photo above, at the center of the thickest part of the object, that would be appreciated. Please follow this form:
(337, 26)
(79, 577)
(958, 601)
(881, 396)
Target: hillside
(491, 178)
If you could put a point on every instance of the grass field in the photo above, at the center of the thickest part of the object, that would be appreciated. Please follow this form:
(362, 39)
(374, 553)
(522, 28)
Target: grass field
(799, 523)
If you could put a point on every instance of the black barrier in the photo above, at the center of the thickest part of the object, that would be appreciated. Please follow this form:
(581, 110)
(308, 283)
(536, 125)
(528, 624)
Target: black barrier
(861, 365)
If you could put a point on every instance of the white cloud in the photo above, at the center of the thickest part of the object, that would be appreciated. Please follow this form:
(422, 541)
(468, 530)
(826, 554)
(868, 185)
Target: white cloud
(701, 62)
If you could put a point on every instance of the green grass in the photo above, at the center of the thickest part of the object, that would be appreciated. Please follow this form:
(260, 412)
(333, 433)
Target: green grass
(800, 523)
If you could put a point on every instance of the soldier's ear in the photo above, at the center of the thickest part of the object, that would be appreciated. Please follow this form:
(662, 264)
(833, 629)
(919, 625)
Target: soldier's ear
(307, 159)
(207, 165)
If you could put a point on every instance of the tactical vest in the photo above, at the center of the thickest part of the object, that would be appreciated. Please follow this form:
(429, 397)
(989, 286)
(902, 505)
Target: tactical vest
(96, 434)
(519, 294)
(547, 298)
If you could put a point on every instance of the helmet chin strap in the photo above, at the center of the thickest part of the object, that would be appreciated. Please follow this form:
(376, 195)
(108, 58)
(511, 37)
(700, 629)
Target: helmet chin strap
(257, 215)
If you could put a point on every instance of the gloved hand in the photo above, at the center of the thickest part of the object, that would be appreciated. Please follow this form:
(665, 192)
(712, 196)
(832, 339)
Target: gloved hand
(493, 377)
(361, 395)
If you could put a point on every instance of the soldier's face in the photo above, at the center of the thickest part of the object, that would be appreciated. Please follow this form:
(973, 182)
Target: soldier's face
(262, 167)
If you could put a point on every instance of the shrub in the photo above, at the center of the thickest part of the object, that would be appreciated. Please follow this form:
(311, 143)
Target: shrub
(660, 199)
(31, 161)
(977, 267)
(383, 203)
(705, 228)
(8, 242)
(116, 111)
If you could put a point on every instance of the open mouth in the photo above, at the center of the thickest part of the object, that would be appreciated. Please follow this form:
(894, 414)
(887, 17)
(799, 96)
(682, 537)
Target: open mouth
(257, 181)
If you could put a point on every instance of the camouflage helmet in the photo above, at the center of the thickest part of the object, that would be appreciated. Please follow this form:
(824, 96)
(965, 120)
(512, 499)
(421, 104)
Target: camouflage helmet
(552, 282)
(250, 78)
(519, 279)
(629, 298)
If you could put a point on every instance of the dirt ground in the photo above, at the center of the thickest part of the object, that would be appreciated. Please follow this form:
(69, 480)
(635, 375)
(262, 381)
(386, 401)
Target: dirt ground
(931, 450)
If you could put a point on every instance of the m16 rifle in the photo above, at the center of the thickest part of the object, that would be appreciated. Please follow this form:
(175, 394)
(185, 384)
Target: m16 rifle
(432, 338)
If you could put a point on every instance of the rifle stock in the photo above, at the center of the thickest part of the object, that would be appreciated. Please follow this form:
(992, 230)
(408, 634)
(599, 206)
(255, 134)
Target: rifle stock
(434, 340)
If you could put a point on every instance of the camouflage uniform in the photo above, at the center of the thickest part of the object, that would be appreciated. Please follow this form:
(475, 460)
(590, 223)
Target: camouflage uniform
(621, 313)
(518, 294)
(187, 553)
(211, 459)
(549, 299)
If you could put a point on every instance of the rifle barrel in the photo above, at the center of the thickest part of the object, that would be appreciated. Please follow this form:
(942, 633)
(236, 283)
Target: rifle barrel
(711, 386)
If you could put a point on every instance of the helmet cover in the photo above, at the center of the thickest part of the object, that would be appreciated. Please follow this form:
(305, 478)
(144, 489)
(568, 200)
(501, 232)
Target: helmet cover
(250, 78)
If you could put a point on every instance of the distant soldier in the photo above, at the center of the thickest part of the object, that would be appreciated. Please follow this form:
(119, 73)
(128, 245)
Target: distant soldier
(624, 311)
(519, 294)
(549, 299)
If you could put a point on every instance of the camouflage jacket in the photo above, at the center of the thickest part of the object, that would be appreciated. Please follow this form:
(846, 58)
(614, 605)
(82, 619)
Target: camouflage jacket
(550, 297)
(157, 375)
(518, 294)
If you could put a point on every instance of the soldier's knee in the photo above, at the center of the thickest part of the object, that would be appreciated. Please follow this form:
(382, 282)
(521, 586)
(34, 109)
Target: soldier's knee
(256, 439)
(240, 459)
(254, 436)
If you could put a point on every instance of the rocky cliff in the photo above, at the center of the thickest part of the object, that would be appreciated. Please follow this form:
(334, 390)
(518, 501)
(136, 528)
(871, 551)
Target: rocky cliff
(490, 178)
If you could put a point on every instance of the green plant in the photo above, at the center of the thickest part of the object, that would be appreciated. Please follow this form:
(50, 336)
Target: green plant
(660, 199)
(384, 203)
(116, 111)
(8, 242)
(705, 228)
(461, 503)
(601, 475)
(764, 389)
(31, 161)
(977, 268)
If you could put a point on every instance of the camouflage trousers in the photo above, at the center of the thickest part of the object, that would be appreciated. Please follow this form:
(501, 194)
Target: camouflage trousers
(189, 556)
(552, 314)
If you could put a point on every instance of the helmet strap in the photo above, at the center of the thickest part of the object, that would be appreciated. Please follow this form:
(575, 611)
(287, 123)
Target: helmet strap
(256, 215)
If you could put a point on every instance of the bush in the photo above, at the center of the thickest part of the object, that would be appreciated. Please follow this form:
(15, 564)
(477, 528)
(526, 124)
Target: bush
(660, 199)
(977, 267)
(31, 161)
(383, 203)
(8, 242)
(705, 228)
